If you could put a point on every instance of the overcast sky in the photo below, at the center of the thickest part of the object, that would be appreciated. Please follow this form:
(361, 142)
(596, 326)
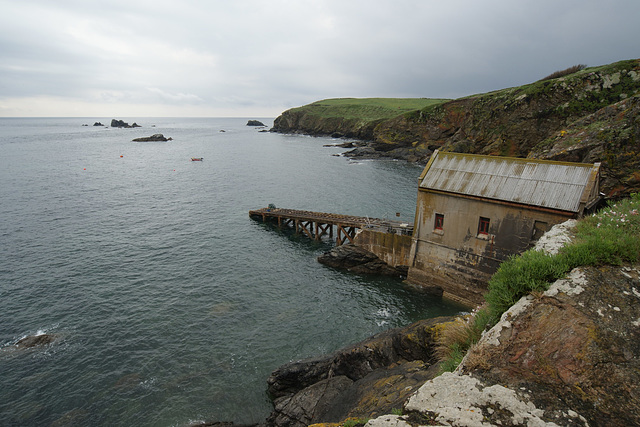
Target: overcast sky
(257, 58)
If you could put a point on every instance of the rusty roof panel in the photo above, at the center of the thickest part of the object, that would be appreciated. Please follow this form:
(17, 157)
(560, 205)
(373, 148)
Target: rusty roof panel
(555, 185)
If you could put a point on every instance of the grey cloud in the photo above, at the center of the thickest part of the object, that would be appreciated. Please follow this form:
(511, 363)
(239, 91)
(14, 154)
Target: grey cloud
(252, 54)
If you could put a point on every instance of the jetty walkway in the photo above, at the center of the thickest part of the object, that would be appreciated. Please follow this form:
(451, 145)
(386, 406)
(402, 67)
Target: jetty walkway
(318, 224)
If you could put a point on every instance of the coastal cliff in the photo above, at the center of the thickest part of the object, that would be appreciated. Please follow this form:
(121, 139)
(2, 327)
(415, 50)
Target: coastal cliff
(586, 115)
(559, 352)
(346, 117)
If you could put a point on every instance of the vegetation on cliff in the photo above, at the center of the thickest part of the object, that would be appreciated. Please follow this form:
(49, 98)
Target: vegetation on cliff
(588, 115)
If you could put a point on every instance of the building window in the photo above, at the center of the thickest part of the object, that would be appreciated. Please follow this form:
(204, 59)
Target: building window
(439, 222)
(483, 226)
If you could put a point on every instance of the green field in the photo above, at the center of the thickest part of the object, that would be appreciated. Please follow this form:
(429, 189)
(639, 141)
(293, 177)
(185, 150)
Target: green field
(366, 108)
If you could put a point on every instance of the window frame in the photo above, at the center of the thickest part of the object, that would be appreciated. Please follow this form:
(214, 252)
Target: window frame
(438, 223)
(483, 226)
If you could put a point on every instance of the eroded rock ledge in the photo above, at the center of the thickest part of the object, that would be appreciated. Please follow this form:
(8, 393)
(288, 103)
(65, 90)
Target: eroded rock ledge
(359, 260)
(367, 379)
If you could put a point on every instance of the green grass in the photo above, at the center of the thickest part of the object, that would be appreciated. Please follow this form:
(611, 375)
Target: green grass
(611, 237)
(354, 422)
(367, 108)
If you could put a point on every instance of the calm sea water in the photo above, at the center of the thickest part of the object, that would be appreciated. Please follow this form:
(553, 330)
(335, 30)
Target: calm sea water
(170, 304)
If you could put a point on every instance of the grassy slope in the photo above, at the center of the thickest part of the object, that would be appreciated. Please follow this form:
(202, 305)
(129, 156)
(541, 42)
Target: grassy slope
(366, 108)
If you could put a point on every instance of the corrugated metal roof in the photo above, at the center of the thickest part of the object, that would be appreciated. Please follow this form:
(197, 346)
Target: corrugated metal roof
(555, 185)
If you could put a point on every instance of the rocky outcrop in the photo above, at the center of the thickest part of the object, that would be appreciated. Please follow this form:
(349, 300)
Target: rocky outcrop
(300, 121)
(611, 135)
(255, 123)
(122, 124)
(510, 121)
(158, 137)
(36, 340)
(358, 260)
(568, 357)
(367, 379)
(98, 124)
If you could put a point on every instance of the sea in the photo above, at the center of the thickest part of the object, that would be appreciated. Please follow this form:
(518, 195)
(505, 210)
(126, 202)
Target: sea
(170, 306)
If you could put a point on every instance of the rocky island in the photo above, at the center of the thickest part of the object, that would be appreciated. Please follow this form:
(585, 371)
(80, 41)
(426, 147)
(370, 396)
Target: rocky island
(158, 137)
(122, 124)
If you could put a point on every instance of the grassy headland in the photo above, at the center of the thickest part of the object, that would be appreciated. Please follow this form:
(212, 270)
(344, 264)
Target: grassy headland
(349, 117)
(366, 109)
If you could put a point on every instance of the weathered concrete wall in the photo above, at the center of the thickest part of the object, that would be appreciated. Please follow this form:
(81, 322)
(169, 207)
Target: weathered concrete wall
(392, 248)
(459, 259)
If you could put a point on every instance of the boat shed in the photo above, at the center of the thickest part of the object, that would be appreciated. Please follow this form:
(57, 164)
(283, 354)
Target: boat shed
(475, 211)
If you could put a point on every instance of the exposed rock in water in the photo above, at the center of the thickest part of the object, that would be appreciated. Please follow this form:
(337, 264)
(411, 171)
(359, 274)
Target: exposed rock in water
(152, 138)
(36, 340)
(122, 124)
(358, 260)
(98, 124)
(348, 144)
(255, 123)
(368, 378)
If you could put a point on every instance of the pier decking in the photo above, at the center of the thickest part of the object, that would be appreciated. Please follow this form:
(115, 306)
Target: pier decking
(318, 224)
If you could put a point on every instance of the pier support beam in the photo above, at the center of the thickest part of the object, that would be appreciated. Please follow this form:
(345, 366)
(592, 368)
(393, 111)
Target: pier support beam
(316, 225)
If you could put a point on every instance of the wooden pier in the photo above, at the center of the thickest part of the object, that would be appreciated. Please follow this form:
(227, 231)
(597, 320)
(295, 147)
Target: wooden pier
(318, 224)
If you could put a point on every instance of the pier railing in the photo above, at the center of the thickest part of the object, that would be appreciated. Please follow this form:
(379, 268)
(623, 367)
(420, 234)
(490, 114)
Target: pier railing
(318, 224)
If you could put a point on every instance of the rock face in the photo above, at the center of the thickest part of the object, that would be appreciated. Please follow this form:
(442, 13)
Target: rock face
(575, 348)
(121, 124)
(358, 260)
(569, 357)
(255, 123)
(611, 135)
(152, 138)
(367, 379)
(293, 121)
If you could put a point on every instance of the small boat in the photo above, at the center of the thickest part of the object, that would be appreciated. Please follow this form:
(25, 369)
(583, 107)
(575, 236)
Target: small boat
(197, 159)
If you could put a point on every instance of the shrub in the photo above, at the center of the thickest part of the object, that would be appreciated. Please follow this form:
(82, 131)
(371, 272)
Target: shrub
(562, 73)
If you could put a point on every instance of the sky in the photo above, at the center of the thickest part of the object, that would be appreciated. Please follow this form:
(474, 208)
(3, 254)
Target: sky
(257, 58)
